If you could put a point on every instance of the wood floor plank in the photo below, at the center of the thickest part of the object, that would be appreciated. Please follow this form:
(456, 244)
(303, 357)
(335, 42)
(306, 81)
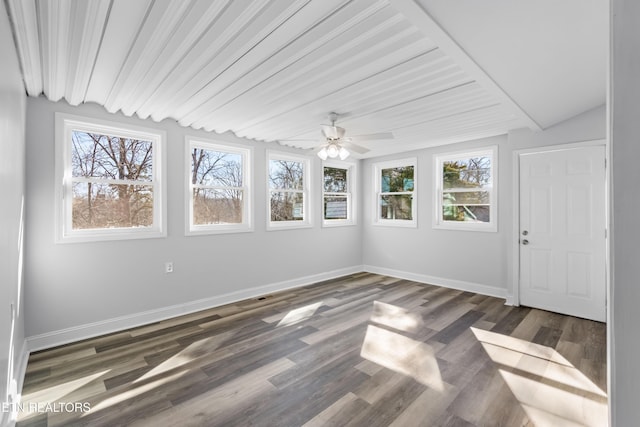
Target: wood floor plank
(362, 350)
(215, 406)
(335, 414)
(510, 322)
(390, 405)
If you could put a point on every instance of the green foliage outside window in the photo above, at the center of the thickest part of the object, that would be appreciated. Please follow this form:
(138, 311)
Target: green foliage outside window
(466, 185)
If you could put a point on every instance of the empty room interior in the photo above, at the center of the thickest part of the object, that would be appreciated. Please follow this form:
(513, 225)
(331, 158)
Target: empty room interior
(319, 213)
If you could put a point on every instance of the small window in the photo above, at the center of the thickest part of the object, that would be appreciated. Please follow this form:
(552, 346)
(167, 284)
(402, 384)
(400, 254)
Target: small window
(465, 193)
(337, 200)
(288, 191)
(110, 181)
(396, 193)
(218, 188)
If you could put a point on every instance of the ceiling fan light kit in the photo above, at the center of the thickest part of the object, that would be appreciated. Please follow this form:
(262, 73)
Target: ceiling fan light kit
(323, 153)
(333, 150)
(335, 142)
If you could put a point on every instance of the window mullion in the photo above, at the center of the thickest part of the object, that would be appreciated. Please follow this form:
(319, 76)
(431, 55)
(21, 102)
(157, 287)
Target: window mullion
(106, 181)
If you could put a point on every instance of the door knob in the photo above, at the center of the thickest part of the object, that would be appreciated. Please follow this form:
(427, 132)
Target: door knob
(525, 242)
(525, 232)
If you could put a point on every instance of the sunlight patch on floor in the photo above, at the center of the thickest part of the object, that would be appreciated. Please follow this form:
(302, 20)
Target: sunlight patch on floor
(129, 394)
(548, 405)
(403, 355)
(395, 317)
(299, 314)
(549, 388)
(520, 346)
(203, 347)
(55, 393)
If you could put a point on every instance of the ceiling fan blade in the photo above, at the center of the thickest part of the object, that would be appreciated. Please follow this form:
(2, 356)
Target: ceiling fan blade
(371, 136)
(332, 132)
(355, 148)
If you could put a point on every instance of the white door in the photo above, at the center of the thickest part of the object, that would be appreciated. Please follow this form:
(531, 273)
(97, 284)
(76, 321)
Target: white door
(562, 231)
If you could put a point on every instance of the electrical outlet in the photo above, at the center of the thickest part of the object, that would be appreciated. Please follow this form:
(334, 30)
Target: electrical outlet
(168, 267)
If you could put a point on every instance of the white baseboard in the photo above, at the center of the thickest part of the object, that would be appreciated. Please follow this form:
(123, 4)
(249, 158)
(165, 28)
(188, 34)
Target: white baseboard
(510, 300)
(439, 281)
(90, 330)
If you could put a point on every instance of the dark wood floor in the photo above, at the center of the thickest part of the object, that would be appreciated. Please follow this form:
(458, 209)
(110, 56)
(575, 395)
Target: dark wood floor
(363, 350)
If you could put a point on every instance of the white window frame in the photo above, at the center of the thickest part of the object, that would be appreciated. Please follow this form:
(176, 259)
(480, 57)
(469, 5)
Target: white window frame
(352, 173)
(377, 176)
(438, 161)
(65, 125)
(246, 153)
(306, 222)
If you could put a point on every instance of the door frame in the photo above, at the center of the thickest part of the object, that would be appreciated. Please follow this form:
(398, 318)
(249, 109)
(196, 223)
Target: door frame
(513, 293)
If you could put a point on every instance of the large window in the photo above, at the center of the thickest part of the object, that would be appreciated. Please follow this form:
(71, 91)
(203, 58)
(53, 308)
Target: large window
(109, 180)
(396, 193)
(218, 188)
(465, 193)
(288, 191)
(338, 180)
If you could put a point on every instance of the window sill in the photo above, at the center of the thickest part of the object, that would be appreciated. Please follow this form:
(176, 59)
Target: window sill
(205, 231)
(338, 223)
(396, 223)
(287, 225)
(91, 236)
(487, 228)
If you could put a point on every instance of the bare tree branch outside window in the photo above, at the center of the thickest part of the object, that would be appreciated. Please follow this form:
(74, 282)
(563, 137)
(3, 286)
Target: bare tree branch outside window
(112, 181)
(216, 179)
(286, 184)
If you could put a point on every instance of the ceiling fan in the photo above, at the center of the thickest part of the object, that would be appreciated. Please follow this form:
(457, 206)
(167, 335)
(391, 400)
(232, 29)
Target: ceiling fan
(336, 144)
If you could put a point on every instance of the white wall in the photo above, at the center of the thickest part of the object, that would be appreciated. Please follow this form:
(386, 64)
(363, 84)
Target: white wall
(12, 122)
(476, 261)
(81, 289)
(470, 260)
(625, 236)
(590, 125)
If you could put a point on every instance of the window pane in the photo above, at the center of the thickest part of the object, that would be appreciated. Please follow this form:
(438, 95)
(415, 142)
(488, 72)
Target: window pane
(466, 213)
(466, 207)
(335, 207)
(287, 206)
(286, 175)
(466, 198)
(397, 179)
(110, 157)
(335, 180)
(397, 206)
(111, 206)
(217, 206)
(216, 168)
(474, 172)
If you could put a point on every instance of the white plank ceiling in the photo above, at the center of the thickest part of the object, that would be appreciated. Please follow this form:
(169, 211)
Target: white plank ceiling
(271, 70)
